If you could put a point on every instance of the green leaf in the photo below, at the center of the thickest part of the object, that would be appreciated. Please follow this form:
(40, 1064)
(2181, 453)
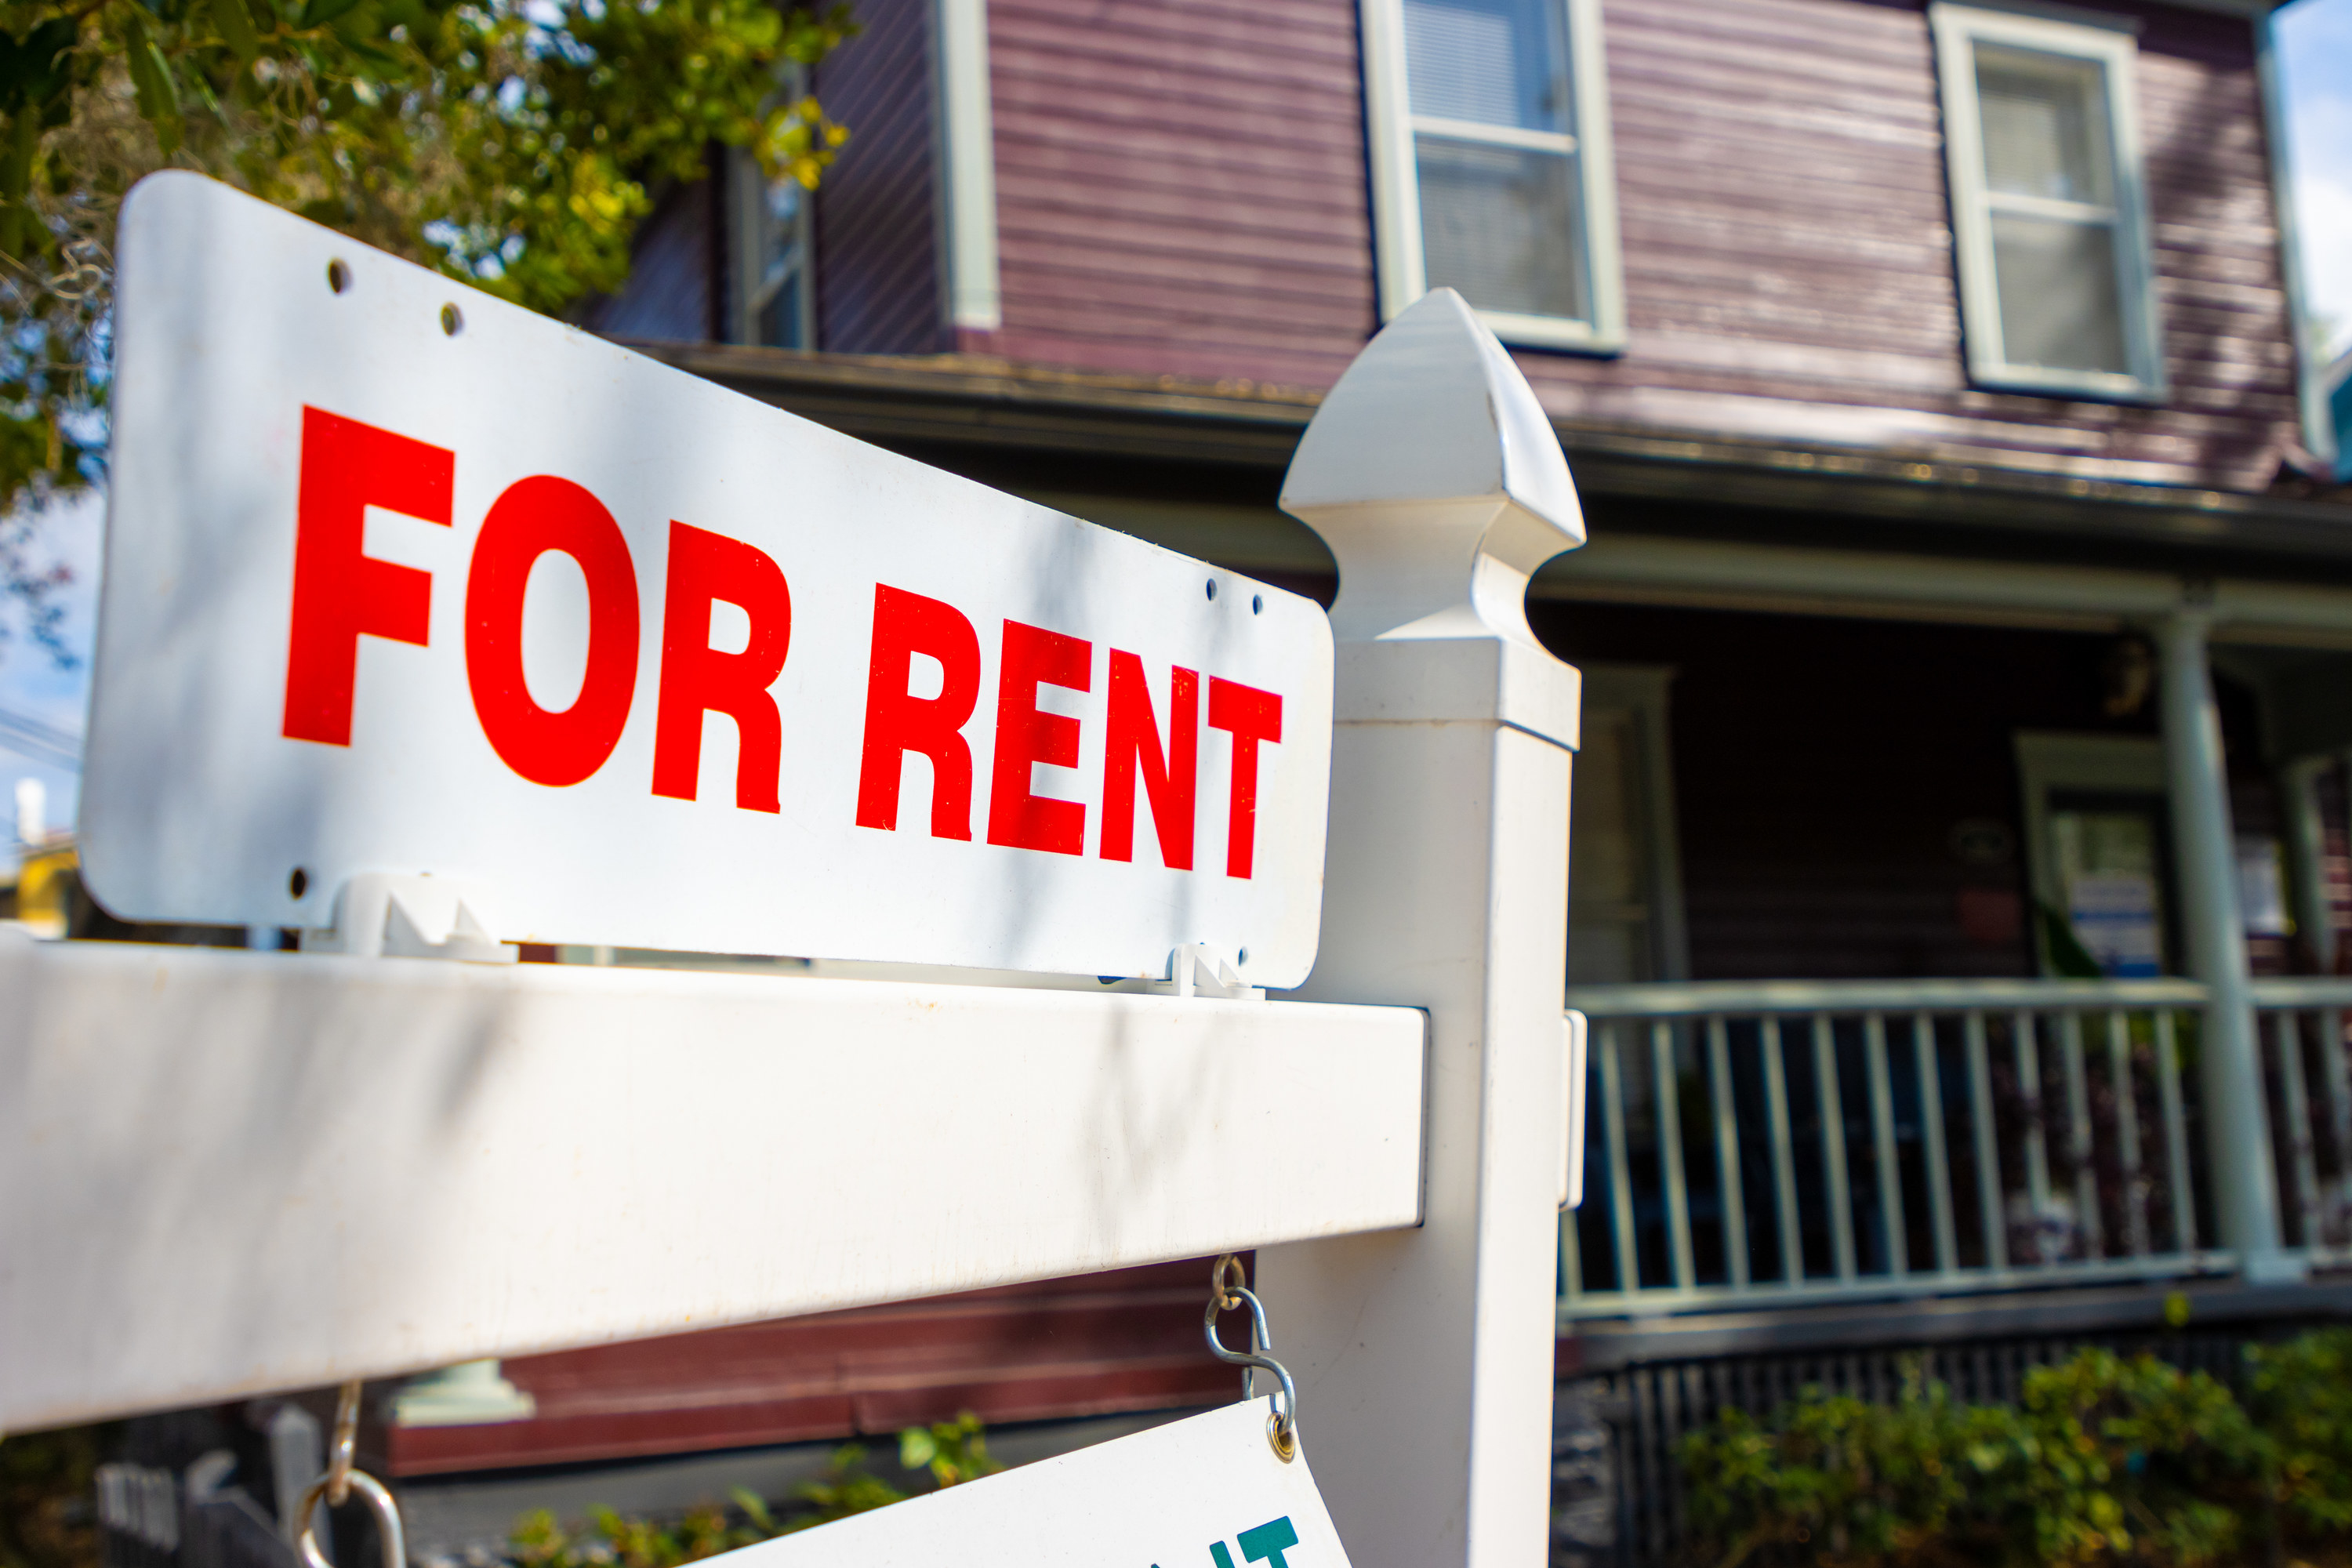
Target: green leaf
(150, 77)
(234, 24)
(319, 12)
(754, 1507)
(917, 1447)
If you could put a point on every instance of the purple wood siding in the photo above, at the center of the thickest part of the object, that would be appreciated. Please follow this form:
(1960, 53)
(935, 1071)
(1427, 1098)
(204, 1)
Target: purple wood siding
(1180, 186)
(877, 254)
(669, 292)
(1182, 189)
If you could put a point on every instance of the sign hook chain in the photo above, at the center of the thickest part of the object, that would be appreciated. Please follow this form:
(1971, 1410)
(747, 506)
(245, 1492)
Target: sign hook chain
(340, 1481)
(1228, 1288)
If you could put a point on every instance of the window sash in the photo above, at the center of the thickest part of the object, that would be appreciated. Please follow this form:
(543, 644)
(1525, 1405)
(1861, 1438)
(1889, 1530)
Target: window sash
(1395, 131)
(1958, 30)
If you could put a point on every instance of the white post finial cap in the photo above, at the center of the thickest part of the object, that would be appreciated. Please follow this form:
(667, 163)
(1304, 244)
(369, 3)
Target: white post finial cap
(1435, 476)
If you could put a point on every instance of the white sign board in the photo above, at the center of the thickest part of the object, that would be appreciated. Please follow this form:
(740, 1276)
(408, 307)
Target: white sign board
(1205, 1492)
(402, 579)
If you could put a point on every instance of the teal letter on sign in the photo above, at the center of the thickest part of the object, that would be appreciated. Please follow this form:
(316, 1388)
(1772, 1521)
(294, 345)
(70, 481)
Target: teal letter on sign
(1269, 1540)
(1225, 1559)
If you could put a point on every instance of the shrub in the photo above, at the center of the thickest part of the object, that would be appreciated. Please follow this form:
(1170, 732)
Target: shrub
(2102, 1461)
(953, 1452)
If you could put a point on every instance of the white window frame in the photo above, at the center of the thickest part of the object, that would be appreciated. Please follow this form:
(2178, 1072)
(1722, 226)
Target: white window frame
(1957, 30)
(747, 288)
(1396, 186)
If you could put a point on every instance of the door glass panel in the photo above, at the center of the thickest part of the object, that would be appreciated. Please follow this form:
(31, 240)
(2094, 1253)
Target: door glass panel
(2111, 873)
(1498, 224)
(1498, 62)
(2060, 308)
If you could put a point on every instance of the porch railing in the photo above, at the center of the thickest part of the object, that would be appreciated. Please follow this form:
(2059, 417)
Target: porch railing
(1783, 1142)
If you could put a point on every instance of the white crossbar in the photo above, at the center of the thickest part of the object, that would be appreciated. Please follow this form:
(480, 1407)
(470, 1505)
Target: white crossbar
(229, 1172)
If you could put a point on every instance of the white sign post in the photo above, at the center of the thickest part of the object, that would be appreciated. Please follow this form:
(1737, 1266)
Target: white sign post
(1425, 1357)
(404, 581)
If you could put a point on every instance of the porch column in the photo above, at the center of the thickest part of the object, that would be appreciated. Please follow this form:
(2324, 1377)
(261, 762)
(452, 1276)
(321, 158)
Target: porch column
(2245, 1196)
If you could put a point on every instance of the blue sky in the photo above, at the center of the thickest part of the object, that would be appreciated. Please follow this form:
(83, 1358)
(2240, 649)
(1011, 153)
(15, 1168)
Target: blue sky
(2314, 60)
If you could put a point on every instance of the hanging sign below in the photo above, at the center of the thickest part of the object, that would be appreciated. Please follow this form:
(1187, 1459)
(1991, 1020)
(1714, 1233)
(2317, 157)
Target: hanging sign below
(404, 581)
(1205, 1492)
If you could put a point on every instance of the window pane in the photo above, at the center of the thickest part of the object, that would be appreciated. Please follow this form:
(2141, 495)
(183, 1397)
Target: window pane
(779, 325)
(2059, 306)
(1498, 62)
(1500, 224)
(2045, 125)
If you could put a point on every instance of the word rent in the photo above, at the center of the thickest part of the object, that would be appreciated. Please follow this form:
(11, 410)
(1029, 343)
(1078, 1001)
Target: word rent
(923, 667)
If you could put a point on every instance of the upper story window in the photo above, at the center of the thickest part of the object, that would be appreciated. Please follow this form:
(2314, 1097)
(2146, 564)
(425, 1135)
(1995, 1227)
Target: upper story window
(773, 302)
(1491, 167)
(2049, 206)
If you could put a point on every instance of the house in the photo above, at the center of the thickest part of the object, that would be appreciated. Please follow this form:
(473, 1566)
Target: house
(1960, 870)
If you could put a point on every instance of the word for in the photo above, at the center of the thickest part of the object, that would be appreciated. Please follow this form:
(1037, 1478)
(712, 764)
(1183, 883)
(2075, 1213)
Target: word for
(342, 594)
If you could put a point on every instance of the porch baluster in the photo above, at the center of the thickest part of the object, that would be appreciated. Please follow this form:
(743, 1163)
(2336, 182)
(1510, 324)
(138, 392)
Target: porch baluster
(1831, 1100)
(2119, 1075)
(1668, 1091)
(2037, 1153)
(2175, 1134)
(1621, 1167)
(1990, 1203)
(2286, 1039)
(2339, 1119)
(1784, 1157)
(1931, 1135)
(2087, 1219)
(1726, 1153)
(1882, 1139)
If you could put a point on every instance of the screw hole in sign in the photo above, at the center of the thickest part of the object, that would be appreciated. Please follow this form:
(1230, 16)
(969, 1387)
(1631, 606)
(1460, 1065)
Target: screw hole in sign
(299, 883)
(451, 321)
(339, 277)
(1245, 956)
(1257, 604)
(1213, 588)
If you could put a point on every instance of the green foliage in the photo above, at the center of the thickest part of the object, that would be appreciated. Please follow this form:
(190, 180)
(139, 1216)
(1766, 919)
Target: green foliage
(2102, 1461)
(953, 1452)
(844, 1489)
(513, 143)
(46, 1480)
(2302, 1395)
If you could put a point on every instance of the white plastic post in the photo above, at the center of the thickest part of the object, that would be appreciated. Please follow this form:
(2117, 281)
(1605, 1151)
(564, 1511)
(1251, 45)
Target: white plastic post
(1425, 1357)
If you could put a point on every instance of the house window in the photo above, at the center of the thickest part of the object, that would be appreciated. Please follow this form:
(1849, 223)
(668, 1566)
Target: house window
(772, 301)
(1491, 167)
(2049, 207)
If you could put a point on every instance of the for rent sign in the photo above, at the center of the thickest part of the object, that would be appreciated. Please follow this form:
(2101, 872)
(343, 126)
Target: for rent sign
(403, 579)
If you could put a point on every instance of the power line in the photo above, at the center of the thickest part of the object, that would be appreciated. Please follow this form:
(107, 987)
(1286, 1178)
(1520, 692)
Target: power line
(30, 737)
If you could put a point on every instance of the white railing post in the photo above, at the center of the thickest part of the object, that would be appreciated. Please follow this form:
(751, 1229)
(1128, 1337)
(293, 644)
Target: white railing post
(1425, 1357)
(2245, 1186)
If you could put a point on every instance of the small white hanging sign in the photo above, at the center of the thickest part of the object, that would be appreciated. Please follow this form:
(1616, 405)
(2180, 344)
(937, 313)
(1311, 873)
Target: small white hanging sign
(1205, 1492)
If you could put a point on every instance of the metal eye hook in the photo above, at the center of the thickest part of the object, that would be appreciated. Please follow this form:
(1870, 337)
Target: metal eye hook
(345, 1445)
(341, 1480)
(1227, 1291)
